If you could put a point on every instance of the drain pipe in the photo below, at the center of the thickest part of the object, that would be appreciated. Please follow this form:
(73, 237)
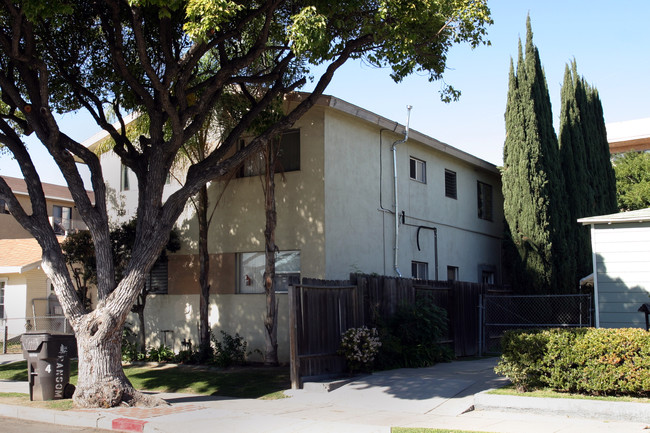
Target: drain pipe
(394, 149)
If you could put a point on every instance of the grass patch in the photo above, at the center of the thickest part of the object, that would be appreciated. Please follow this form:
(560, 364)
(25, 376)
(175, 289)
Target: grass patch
(19, 399)
(549, 393)
(239, 382)
(11, 348)
(428, 430)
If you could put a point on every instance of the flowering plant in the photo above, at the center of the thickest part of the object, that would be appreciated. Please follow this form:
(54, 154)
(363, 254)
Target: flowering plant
(359, 346)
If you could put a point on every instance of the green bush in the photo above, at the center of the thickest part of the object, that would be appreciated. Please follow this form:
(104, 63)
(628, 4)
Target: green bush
(411, 337)
(522, 357)
(230, 351)
(588, 361)
(161, 353)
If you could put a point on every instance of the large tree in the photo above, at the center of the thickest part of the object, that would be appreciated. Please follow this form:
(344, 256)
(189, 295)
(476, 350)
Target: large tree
(533, 183)
(585, 158)
(150, 56)
(632, 180)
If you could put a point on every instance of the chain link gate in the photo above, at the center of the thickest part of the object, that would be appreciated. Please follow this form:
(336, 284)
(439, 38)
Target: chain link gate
(499, 313)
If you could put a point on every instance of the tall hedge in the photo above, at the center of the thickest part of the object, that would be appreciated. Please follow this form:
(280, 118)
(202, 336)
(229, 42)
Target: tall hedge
(533, 183)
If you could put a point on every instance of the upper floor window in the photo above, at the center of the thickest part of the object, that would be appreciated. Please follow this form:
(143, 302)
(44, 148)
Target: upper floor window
(124, 178)
(484, 201)
(287, 157)
(418, 170)
(420, 270)
(450, 184)
(61, 219)
(452, 273)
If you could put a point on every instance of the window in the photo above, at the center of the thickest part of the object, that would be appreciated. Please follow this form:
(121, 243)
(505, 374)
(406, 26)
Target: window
(287, 159)
(61, 219)
(487, 277)
(452, 273)
(124, 178)
(2, 298)
(484, 201)
(251, 271)
(420, 270)
(418, 170)
(487, 274)
(157, 279)
(3, 207)
(450, 184)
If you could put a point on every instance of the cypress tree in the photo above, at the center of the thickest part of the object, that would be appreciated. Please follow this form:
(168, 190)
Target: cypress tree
(533, 183)
(575, 165)
(589, 177)
(605, 200)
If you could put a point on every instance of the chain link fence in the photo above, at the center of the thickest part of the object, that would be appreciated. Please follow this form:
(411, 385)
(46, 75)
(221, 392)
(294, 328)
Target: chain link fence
(501, 313)
(11, 329)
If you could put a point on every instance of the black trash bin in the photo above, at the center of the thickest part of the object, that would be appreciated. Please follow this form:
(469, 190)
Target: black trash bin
(48, 364)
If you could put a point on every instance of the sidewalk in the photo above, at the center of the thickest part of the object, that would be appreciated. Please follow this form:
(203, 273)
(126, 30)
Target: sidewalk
(442, 396)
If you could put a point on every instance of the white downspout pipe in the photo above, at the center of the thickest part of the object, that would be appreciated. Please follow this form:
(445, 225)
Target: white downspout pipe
(393, 148)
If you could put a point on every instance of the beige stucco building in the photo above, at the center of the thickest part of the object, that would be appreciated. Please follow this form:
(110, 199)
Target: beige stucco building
(26, 295)
(336, 215)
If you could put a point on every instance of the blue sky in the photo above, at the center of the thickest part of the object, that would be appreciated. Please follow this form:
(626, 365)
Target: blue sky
(609, 40)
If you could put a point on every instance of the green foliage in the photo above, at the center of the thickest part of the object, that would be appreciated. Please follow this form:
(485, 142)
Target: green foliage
(533, 183)
(130, 347)
(359, 346)
(411, 337)
(161, 353)
(632, 180)
(230, 350)
(588, 361)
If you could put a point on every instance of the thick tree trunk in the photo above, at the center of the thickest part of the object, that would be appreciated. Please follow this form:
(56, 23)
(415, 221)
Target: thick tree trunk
(270, 323)
(101, 381)
(204, 270)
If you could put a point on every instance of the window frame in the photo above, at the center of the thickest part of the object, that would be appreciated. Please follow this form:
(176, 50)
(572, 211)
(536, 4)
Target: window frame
(59, 222)
(161, 266)
(255, 275)
(485, 204)
(456, 272)
(124, 178)
(419, 268)
(415, 174)
(254, 165)
(451, 184)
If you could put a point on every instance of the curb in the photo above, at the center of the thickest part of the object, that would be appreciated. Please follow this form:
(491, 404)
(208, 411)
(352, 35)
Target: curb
(581, 408)
(72, 418)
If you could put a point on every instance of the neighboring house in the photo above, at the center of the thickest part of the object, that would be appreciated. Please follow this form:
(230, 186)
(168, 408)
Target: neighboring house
(336, 215)
(629, 135)
(621, 252)
(26, 294)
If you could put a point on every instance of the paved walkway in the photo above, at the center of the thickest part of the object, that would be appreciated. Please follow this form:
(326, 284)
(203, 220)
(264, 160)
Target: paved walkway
(442, 396)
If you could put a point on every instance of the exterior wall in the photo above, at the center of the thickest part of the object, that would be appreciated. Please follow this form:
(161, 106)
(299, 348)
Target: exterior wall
(360, 206)
(622, 253)
(15, 295)
(239, 220)
(242, 314)
(10, 229)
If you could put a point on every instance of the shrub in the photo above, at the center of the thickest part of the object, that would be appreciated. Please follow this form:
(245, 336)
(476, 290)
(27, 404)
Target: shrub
(521, 361)
(411, 337)
(359, 346)
(230, 351)
(589, 361)
(161, 353)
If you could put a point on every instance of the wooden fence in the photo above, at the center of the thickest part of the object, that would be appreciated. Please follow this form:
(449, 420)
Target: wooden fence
(320, 311)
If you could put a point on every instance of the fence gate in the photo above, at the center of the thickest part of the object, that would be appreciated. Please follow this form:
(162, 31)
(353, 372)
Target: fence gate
(500, 313)
(319, 312)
